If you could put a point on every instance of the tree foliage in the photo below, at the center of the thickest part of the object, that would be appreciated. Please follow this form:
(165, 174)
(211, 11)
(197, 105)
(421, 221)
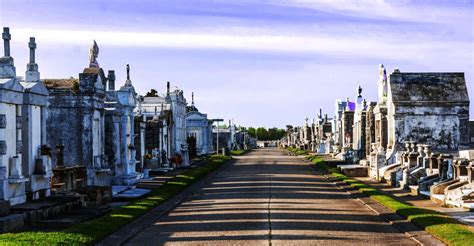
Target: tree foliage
(266, 134)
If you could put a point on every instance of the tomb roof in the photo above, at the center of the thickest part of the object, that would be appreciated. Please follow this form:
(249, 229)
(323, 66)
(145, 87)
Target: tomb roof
(60, 83)
(428, 87)
(34, 87)
(91, 70)
(10, 84)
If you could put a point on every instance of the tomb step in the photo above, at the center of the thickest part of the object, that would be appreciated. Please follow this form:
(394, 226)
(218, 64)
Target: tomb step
(132, 193)
(149, 186)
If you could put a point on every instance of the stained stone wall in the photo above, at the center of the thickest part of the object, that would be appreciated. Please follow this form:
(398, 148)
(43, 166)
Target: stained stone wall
(429, 108)
(471, 134)
(76, 120)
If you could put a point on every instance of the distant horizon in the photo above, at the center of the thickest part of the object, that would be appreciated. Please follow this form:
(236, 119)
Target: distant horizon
(261, 63)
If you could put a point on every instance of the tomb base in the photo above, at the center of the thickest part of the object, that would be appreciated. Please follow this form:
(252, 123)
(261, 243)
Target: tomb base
(354, 170)
(98, 195)
(14, 190)
(40, 186)
(126, 179)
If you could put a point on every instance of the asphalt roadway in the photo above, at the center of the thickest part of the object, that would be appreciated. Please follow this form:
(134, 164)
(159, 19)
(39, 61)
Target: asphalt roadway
(269, 198)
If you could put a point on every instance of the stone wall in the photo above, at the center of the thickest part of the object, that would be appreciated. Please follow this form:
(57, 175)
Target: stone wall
(431, 108)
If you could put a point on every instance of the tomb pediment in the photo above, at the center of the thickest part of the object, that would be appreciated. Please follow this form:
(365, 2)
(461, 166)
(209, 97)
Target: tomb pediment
(10, 84)
(194, 115)
(35, 87)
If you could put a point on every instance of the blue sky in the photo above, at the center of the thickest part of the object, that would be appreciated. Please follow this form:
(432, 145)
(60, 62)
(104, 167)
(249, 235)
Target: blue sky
(262, 63)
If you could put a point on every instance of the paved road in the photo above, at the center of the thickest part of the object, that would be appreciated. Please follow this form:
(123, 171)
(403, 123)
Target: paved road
(267, 197)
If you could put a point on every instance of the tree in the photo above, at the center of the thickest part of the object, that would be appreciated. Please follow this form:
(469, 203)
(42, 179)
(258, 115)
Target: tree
(152, 93)
(251, 131)
(262, 133)
(265, 134)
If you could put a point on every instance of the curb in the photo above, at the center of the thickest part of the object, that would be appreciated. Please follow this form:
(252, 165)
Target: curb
(125, 233)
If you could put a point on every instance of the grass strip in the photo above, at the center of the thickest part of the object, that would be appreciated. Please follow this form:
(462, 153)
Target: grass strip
(297, 151)
(239, 151)
(91, 231)
(440, 225)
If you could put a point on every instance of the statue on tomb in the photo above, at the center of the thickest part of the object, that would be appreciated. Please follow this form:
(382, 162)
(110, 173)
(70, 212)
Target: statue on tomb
(382, 84)
(93, 54)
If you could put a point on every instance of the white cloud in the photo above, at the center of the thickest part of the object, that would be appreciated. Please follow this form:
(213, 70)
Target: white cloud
(404, 10)
(390, 47)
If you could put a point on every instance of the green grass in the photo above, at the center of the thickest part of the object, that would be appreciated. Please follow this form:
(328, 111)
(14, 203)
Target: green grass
(94, 230)
(239, 151)
(438, 224)
(297, 151)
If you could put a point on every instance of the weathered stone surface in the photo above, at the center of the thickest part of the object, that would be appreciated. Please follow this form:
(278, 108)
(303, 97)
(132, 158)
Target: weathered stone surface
(76, 120)
(3, 147)
(430, 108)
(3, 121)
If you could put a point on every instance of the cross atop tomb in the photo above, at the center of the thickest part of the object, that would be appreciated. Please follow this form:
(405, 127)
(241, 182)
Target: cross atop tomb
(168, 88)
(32, 46)
(128, 72)
(111, 79)
(128, 82)
(6, 41)
(192, 98)
(32, 74)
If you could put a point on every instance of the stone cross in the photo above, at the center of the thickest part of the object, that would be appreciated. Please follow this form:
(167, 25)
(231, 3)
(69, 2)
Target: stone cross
(111, 78)
(32, 74)
(6, 41)
(192, 98)
(32, 46)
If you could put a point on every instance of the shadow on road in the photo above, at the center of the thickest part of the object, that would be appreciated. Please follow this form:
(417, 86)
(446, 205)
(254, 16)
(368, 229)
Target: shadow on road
(267, 198)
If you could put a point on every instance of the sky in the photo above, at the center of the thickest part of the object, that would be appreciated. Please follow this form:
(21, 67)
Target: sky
(261, 63)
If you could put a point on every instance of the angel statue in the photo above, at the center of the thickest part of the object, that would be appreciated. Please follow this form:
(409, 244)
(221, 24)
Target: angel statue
(93, 54)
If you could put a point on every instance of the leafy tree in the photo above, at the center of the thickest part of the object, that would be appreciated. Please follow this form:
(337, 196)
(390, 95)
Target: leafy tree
(265, 134)
(251, 131)
(152, 93)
